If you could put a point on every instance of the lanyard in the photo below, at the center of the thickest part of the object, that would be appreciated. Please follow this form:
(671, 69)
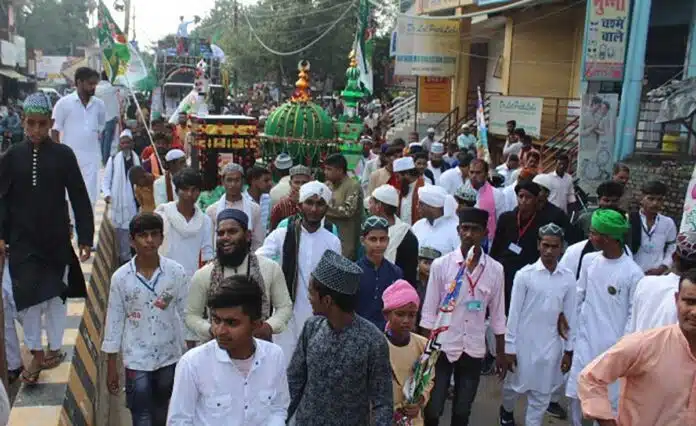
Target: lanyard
(521, 231)
(472, 284)
(147, 284)
(650, 232)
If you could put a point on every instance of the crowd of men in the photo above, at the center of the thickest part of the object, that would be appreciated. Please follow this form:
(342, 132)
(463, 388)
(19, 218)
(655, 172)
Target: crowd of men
(309, 302)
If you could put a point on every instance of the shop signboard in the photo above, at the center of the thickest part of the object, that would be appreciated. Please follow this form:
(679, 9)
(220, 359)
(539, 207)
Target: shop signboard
(21, 50)
(434, 94)
(427, 6)
(525, 111)
(606, 34)
(426, 47)
(8, 53)
(596, 139)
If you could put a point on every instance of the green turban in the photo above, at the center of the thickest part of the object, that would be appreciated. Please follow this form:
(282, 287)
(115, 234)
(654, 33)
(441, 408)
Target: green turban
(610, 222)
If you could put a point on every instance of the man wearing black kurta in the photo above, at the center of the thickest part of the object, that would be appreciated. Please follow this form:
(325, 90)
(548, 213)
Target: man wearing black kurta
(516, 233)
(34, 222)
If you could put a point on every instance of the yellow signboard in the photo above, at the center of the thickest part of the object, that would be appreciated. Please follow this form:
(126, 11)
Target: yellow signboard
(434, 94)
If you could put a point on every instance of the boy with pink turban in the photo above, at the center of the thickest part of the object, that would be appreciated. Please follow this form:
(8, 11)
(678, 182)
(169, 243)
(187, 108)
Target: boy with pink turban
(401, 303)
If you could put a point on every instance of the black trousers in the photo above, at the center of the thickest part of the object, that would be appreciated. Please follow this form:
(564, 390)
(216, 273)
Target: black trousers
(467, 374)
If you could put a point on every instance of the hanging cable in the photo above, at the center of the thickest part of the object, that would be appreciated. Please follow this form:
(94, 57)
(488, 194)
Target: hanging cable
(312, 43)
(467, 15)
(299, 15)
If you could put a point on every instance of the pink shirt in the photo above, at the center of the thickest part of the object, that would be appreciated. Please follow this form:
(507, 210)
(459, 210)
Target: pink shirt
(658, 385)
(467, 331)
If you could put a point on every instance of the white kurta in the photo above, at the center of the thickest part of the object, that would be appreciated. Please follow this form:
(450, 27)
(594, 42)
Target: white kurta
(538, 298)
(452, 179)
(605, 294)
(312, 247)
(437, 172)
(571, 257)
(653, 302)
(441, 235)
(658, 244)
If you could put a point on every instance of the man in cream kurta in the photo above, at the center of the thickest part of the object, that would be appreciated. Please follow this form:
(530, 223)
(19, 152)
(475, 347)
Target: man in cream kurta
(232, 247)
(312, 245)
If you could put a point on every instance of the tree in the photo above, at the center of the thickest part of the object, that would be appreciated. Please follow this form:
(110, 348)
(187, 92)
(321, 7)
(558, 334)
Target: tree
(56, 27)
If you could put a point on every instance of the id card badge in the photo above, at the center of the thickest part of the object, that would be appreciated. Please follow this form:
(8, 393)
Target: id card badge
(474, 306)
(163, 300)
(515, 248)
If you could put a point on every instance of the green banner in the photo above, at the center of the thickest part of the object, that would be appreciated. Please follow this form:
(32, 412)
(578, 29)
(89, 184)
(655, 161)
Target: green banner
(113, 44)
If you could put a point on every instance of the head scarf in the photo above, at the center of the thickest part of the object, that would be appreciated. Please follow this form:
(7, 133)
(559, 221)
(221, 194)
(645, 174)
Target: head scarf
(551, 230)
(686, 246)
(236, 215)
(610, 222)
(398, 295)
(38, 103)
(375, 222)
(313, 188)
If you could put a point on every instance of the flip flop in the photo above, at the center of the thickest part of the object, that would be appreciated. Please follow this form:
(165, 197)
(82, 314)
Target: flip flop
(30, 378)
(53, 361)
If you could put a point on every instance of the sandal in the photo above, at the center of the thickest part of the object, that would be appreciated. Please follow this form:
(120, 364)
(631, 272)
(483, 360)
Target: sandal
(53, 361)
(13, 375)
(29, 378)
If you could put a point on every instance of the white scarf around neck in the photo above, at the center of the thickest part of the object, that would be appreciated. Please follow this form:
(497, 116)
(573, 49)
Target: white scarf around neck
(397, 232)
(123, 207)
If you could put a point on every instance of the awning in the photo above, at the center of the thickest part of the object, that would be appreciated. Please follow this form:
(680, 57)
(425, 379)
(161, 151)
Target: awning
(14, 75)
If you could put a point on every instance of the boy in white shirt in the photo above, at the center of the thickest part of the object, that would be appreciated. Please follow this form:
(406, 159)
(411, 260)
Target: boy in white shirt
(234, 380)
(145, 322)
(653, 234)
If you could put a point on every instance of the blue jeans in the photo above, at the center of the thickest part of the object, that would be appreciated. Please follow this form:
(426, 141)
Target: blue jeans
(148, 393)
(107, 138)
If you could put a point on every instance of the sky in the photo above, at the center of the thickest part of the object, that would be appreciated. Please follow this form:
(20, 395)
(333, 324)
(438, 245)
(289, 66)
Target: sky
(157, 18)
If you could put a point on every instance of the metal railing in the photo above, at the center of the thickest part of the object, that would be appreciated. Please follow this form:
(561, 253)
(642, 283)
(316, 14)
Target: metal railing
(403, 111)
(565, 140)
(447, 126)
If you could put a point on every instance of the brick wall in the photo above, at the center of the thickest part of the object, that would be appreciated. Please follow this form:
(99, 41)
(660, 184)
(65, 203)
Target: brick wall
(675, 173)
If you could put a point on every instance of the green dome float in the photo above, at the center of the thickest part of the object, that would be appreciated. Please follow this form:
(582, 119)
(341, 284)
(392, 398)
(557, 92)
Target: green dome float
(299, 127)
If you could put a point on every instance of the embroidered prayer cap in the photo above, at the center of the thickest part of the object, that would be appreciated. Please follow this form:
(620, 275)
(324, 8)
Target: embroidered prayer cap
(686, 245)
(283, 161)
(232, 167)
(398, 295)
(474, 216)
(236, 215)
(466, 193)
(551, 230)
(300, 170)
(375, 223)
(544, 180)
(429, 253)
(174, 154)
(432, 195)
(403, 164)
(437, 148)
(37, 103)
(365, 140)
(126, 133)
(609, 222)
(313, 188)
(338, 273)
(529, 186)
(386, 194)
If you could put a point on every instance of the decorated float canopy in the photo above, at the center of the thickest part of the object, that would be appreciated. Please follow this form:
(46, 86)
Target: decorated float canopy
(300, 127)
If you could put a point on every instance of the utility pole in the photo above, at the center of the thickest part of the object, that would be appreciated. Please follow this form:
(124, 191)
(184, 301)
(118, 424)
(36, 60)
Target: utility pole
(126, 26)
(236, 36)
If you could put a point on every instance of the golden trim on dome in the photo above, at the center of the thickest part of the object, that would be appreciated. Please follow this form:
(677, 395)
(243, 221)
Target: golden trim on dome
(353, 59)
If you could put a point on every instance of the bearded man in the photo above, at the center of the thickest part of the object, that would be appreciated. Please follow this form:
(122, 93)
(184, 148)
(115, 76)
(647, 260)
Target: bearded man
(233, 258)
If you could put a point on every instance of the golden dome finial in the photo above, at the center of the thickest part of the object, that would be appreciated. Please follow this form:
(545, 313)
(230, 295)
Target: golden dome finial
(353, 59)
(302, 84)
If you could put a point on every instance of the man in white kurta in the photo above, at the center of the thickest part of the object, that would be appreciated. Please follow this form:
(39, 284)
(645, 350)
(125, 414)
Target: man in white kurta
(608, 279)
(313, 242)
(541, 292)
(79, 119)
(455, 177)
(118, 192)
(653, 301)
(657, 231)
(438, 227)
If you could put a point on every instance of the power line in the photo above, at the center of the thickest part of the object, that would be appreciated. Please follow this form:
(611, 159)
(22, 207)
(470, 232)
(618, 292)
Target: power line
(312, 43)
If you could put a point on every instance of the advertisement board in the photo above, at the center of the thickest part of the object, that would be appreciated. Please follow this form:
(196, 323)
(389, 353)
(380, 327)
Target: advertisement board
(20, 50)
(426, 47)
(596, 139)
(434, 94)
(525, 111)
(607, 36)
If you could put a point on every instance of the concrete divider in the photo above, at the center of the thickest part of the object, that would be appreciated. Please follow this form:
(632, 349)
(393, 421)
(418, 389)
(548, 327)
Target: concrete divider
(75, 394)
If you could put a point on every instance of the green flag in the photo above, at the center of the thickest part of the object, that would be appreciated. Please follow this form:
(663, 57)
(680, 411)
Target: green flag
(113, 44)
(364, 45)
